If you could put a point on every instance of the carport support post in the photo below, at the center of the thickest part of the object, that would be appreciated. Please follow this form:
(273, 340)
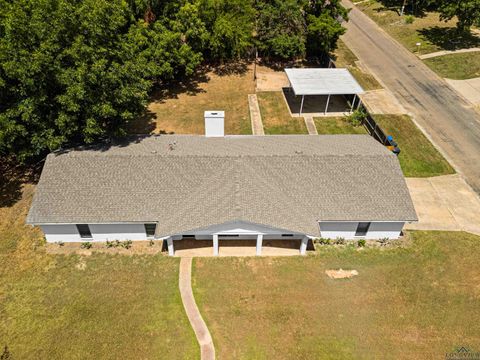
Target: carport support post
(303, 245)
(259, 244)
(215, 245)
(353, 103)
(301, 105)
(171, 250)
(328, 102)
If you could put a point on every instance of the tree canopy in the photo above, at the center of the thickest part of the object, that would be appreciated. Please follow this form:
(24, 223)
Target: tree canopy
(76, 71)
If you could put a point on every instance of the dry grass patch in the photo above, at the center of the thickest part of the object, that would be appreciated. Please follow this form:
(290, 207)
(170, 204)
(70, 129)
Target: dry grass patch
(180, 107)
(276, 117)
(418, 302)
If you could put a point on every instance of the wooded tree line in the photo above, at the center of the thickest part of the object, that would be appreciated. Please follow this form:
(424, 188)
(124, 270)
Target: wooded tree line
(467, 12)
(75, 71)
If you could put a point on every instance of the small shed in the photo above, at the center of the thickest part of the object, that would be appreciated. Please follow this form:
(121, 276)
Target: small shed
(323, 81)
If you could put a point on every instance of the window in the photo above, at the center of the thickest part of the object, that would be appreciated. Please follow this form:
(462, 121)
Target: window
(287, 235)
(188, 236)
(150, 230)
(362, 229)
(84, 231)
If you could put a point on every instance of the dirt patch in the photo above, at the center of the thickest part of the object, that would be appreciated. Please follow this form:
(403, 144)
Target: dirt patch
(341, 274)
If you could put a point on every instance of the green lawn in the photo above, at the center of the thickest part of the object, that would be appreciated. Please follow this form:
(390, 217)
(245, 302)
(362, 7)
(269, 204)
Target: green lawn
(418, 157)
(456, 66)
(433, 34)
(86, 307)
(345, 58)
(276, 117)
(337, 125)
(418, 302)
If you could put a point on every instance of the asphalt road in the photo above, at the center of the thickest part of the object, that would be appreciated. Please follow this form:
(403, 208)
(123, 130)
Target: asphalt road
(448, 119)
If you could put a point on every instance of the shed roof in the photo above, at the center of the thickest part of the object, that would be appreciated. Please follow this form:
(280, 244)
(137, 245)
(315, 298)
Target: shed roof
(190, 182)
(305, 81)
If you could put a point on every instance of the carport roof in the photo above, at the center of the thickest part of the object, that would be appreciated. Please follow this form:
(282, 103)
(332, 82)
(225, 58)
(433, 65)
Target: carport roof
(305, 81)
(187, 182)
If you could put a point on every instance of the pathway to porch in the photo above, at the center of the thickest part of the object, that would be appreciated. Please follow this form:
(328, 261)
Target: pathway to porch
(198, 324)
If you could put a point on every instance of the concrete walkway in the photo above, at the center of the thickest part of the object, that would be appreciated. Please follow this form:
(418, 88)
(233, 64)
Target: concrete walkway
(447, 52)
(444, 203)
(199, 327)
(255, 115)
(470, 89)
(312, 129)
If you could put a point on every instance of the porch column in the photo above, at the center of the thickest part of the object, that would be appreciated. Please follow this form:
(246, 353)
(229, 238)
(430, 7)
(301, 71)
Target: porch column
(303, 245)
(259, 244)
(171, 250)
(215, 244)
(301, 105)
(328, 102)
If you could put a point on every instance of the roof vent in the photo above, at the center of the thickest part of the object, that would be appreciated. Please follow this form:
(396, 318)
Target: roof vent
(214, 123)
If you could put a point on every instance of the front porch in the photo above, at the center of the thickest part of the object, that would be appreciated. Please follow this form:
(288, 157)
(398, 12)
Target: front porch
(189, 247)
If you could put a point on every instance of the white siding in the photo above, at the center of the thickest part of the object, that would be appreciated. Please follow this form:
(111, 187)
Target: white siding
(100, 232)
(377, 230)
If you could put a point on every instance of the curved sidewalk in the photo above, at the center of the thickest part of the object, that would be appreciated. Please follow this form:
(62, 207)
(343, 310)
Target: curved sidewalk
(199, 327)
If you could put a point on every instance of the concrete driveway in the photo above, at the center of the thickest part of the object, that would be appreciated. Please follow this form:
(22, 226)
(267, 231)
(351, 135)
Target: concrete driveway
(444, 203)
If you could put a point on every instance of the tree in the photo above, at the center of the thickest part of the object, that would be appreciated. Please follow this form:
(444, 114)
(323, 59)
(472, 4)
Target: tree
(281, 29)
(466, 11)
(78, 71)
(324, 26)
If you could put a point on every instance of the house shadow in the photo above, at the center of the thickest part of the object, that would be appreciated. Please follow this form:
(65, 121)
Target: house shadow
(12, 178)
(448, 38)
(315, 104)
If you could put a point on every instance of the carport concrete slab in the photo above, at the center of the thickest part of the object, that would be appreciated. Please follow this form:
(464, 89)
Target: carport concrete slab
(444, 203)
(382, 102)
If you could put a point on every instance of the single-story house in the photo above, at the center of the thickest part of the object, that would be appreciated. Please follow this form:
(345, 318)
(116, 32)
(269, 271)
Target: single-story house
(174, 187)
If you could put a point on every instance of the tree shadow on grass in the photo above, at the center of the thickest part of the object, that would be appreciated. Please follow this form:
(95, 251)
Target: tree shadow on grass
(238, 67)
(13, 176)
(449, 38)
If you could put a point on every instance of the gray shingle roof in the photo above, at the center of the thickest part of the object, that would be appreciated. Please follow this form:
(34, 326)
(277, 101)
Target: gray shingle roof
(188, 182)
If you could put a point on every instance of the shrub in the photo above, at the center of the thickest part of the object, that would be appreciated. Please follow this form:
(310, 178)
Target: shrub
(358, 117)
(340, 241)
(110, 244)
(151, 242)
(322, 241)
(409, 19)
(86, 245)
(126, 244)
(361, 243)
(383, 241)
(60, 243)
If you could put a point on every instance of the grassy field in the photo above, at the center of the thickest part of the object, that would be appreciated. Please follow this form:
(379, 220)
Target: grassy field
(418, 302)
(179, 108)
(86, 307)
(276, 117)
(345, 58)
(433, 34)
(456, 66)
(418, 157)
(337, 125)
